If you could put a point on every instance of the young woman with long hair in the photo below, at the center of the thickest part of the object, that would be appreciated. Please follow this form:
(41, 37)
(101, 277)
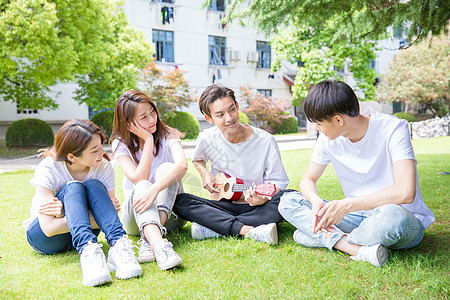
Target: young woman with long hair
(153, 162)
(74, 200)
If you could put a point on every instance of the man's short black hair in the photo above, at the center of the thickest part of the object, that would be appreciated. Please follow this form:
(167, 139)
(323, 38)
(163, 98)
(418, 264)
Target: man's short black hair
(328, 98)
(212, 93)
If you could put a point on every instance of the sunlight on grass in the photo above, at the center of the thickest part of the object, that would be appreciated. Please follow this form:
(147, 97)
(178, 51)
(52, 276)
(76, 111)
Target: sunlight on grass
(237, 268)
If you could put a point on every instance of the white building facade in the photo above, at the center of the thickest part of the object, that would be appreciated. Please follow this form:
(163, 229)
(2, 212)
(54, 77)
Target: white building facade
(193, 39)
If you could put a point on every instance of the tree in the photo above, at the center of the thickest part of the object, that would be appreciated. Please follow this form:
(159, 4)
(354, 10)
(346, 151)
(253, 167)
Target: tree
(323, 34)
(264, 112)
(321, 56)
(420, 74)
(167, 88)
(365, 19)
(89, 42)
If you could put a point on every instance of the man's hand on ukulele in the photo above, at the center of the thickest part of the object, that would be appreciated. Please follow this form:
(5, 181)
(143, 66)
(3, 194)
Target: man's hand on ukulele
(209, 182)
(254, 199)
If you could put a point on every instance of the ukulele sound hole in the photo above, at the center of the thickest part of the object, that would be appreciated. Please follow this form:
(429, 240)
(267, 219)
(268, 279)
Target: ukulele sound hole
(226, 187)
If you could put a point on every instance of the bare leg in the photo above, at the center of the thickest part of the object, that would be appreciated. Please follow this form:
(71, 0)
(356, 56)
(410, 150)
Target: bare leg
(245, 229)
(162, 217)
(153, 235)
(344, 246)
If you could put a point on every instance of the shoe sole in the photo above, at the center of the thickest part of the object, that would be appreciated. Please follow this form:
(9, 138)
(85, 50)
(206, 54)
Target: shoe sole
(144, 259)
(274, 235)
(103, 279)
(125, 275)
(382, 255)
(171, 264)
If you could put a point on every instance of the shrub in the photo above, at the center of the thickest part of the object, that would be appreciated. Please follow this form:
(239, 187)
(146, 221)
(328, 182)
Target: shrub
(184, 122)
(406, 116)
(287, 124)
(29, 132)
(104, 120)
(243, 118)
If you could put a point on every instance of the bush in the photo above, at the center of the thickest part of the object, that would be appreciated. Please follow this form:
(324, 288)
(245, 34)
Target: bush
(29, 132)
(406, 116)
(104, 120)
(288, 124)
(184, 122)
(243, 118)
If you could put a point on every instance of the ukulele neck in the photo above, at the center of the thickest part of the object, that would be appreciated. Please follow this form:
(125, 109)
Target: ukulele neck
(239, 187)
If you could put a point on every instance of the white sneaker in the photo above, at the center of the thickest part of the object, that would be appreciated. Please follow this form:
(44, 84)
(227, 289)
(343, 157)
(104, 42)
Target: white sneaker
(264, 233)
(145, 252)
(121, 258)
(93, 265)
(376, 255)
(166, 257)
(304, 240)
(199, 232)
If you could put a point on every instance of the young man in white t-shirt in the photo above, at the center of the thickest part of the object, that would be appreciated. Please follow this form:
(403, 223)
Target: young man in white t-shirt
(374, 161)
(244, 152)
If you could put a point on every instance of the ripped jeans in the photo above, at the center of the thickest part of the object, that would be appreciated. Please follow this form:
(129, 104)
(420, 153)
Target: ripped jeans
(134, 222)
(390, 225)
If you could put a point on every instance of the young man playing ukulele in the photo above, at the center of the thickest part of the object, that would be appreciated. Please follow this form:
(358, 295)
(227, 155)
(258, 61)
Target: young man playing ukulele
(241, 151)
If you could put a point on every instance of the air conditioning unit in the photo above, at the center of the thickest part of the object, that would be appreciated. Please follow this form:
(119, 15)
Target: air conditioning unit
(252, 56)
(235, 55)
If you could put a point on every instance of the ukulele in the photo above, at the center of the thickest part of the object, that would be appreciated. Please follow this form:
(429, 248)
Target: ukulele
(231, 188)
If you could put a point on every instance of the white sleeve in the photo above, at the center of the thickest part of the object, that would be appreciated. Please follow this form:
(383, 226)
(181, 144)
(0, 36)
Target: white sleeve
(200, 152)
(107, 175)
(44, 176)
(400, 143)
(320, 155)
(120, 149)
(274, 171)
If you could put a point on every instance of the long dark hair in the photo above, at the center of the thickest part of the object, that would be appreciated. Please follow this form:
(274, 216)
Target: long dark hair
(123, 116)
(73, 137)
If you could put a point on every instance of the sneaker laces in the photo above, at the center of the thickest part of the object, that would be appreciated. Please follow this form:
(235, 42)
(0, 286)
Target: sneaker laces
(93, 256)
(125, 247)
(143, 245)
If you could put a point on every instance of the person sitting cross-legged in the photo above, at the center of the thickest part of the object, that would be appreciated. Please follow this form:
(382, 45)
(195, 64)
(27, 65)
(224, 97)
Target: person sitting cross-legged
(374, 161)
(241, 151)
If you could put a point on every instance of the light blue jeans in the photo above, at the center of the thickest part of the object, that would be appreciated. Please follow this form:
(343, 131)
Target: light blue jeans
(390, 225)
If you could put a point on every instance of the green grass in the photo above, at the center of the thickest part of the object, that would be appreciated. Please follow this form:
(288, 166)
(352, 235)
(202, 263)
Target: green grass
(236, 268)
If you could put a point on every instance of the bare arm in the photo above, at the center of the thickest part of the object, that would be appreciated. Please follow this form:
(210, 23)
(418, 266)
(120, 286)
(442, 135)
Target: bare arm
(144, 201)
(403, 191)
(208, 179)
(142, 171)
(51, 215)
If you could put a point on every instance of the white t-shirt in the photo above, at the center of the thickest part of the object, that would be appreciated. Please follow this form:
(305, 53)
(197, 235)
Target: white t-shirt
(164, 155)
(53, 175)
(255, 160)
(365, 167)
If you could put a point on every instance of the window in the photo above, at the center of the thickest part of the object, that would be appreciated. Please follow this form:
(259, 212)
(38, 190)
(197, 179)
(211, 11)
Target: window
(163, 41)
(218, 5)
(217, 47)
(265, 51)
(25, 111)
(266, 93)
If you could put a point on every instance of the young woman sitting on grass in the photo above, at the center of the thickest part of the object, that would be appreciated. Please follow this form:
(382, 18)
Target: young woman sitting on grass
(74, 200)
(153, 162)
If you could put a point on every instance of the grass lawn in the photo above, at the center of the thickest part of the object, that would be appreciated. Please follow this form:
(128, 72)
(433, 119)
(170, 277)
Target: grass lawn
(236, 268)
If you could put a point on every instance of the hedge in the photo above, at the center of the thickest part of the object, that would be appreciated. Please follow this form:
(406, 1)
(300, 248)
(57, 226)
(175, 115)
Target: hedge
(184, 122)
(104, 120)
(407, 116)
(29, 133)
